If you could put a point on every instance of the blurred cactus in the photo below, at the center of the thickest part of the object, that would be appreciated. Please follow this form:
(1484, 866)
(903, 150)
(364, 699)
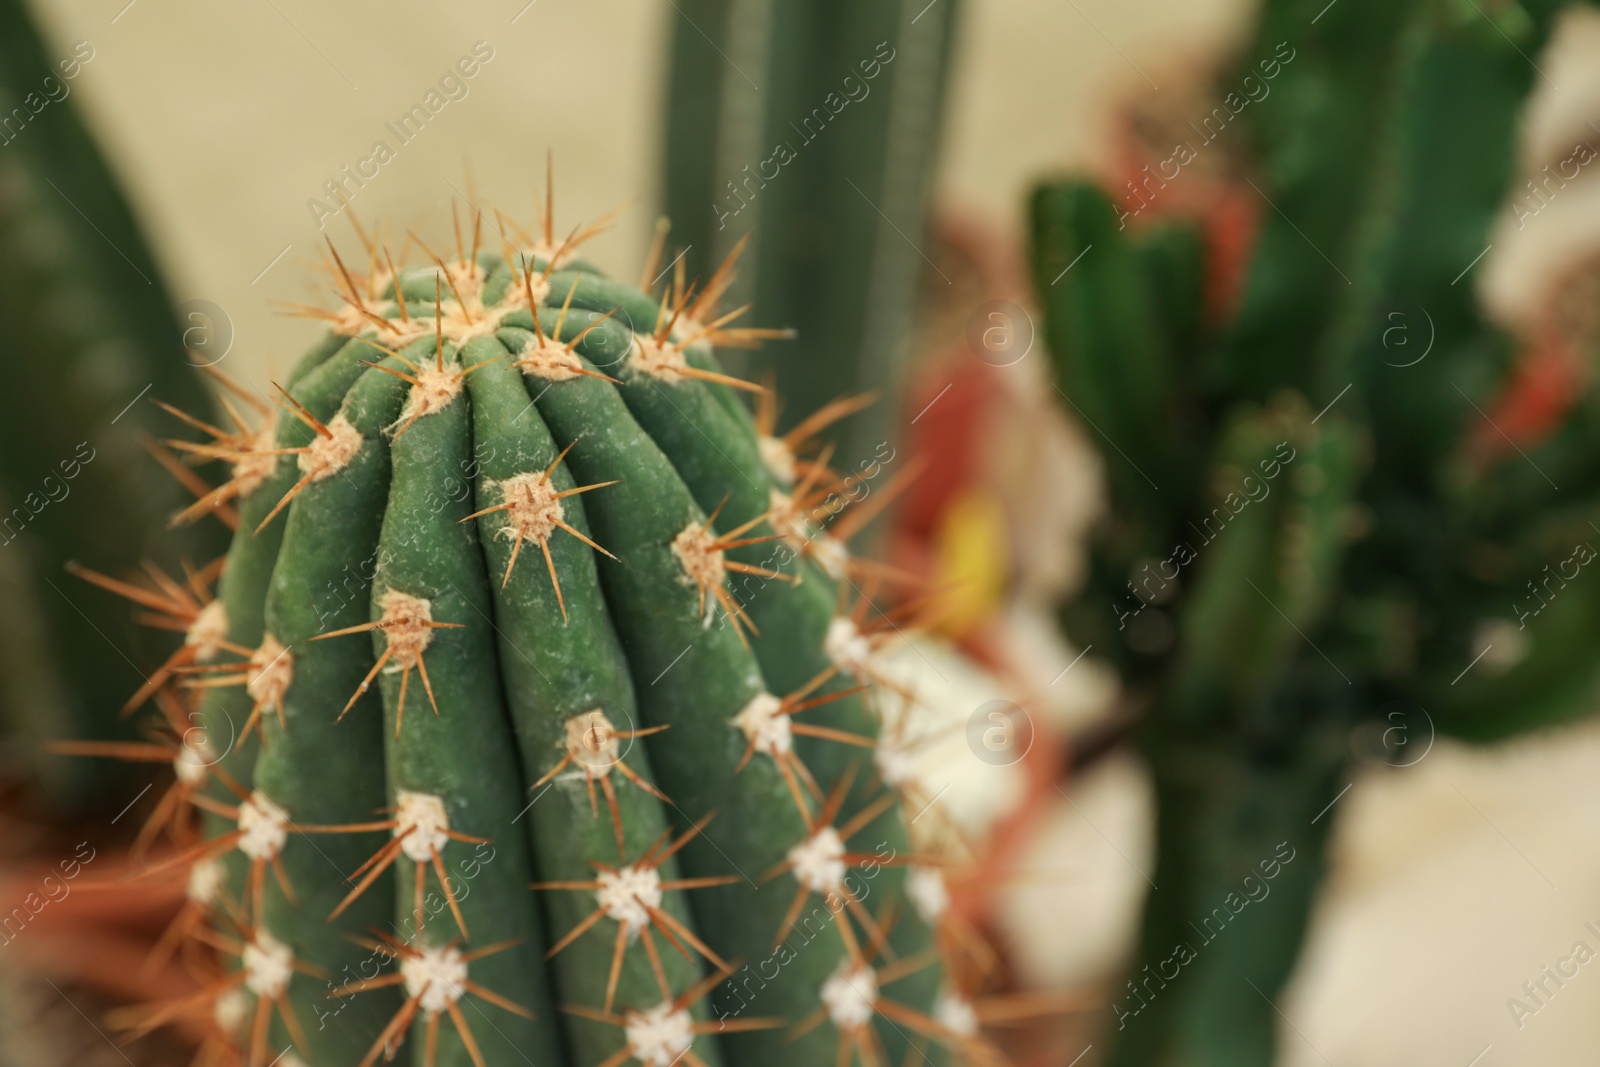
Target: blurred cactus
(88, 337)
(1306, 530)
(811, 129)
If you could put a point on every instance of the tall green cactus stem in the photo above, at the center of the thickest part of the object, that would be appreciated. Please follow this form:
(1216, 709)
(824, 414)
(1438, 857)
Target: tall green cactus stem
(88, 336)
(487, 688)
(1299, 537)
(811, 129)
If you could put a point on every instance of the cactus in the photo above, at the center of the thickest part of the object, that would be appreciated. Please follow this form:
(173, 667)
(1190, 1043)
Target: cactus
(811, 129)
(496, 756)
(87, 332)
(1303, 533)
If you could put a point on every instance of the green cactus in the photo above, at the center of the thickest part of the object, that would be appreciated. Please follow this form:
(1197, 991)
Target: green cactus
(811, 130)
(1298, 530)
(494, 754)
(87, 332)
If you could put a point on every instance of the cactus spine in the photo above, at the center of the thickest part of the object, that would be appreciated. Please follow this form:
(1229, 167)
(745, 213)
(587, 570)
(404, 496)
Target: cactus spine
(1330, 519)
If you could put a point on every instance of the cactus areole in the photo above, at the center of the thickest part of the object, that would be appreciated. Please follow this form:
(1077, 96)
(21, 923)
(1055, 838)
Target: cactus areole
(524, 742)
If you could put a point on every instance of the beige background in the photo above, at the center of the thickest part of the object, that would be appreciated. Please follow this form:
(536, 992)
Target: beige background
(227, 118)
(1456, 880)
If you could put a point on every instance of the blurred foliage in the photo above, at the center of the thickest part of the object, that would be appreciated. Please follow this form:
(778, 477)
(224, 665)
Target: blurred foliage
(88, 337)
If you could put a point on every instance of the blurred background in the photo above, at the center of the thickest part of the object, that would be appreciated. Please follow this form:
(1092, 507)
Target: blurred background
(1454, 874)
